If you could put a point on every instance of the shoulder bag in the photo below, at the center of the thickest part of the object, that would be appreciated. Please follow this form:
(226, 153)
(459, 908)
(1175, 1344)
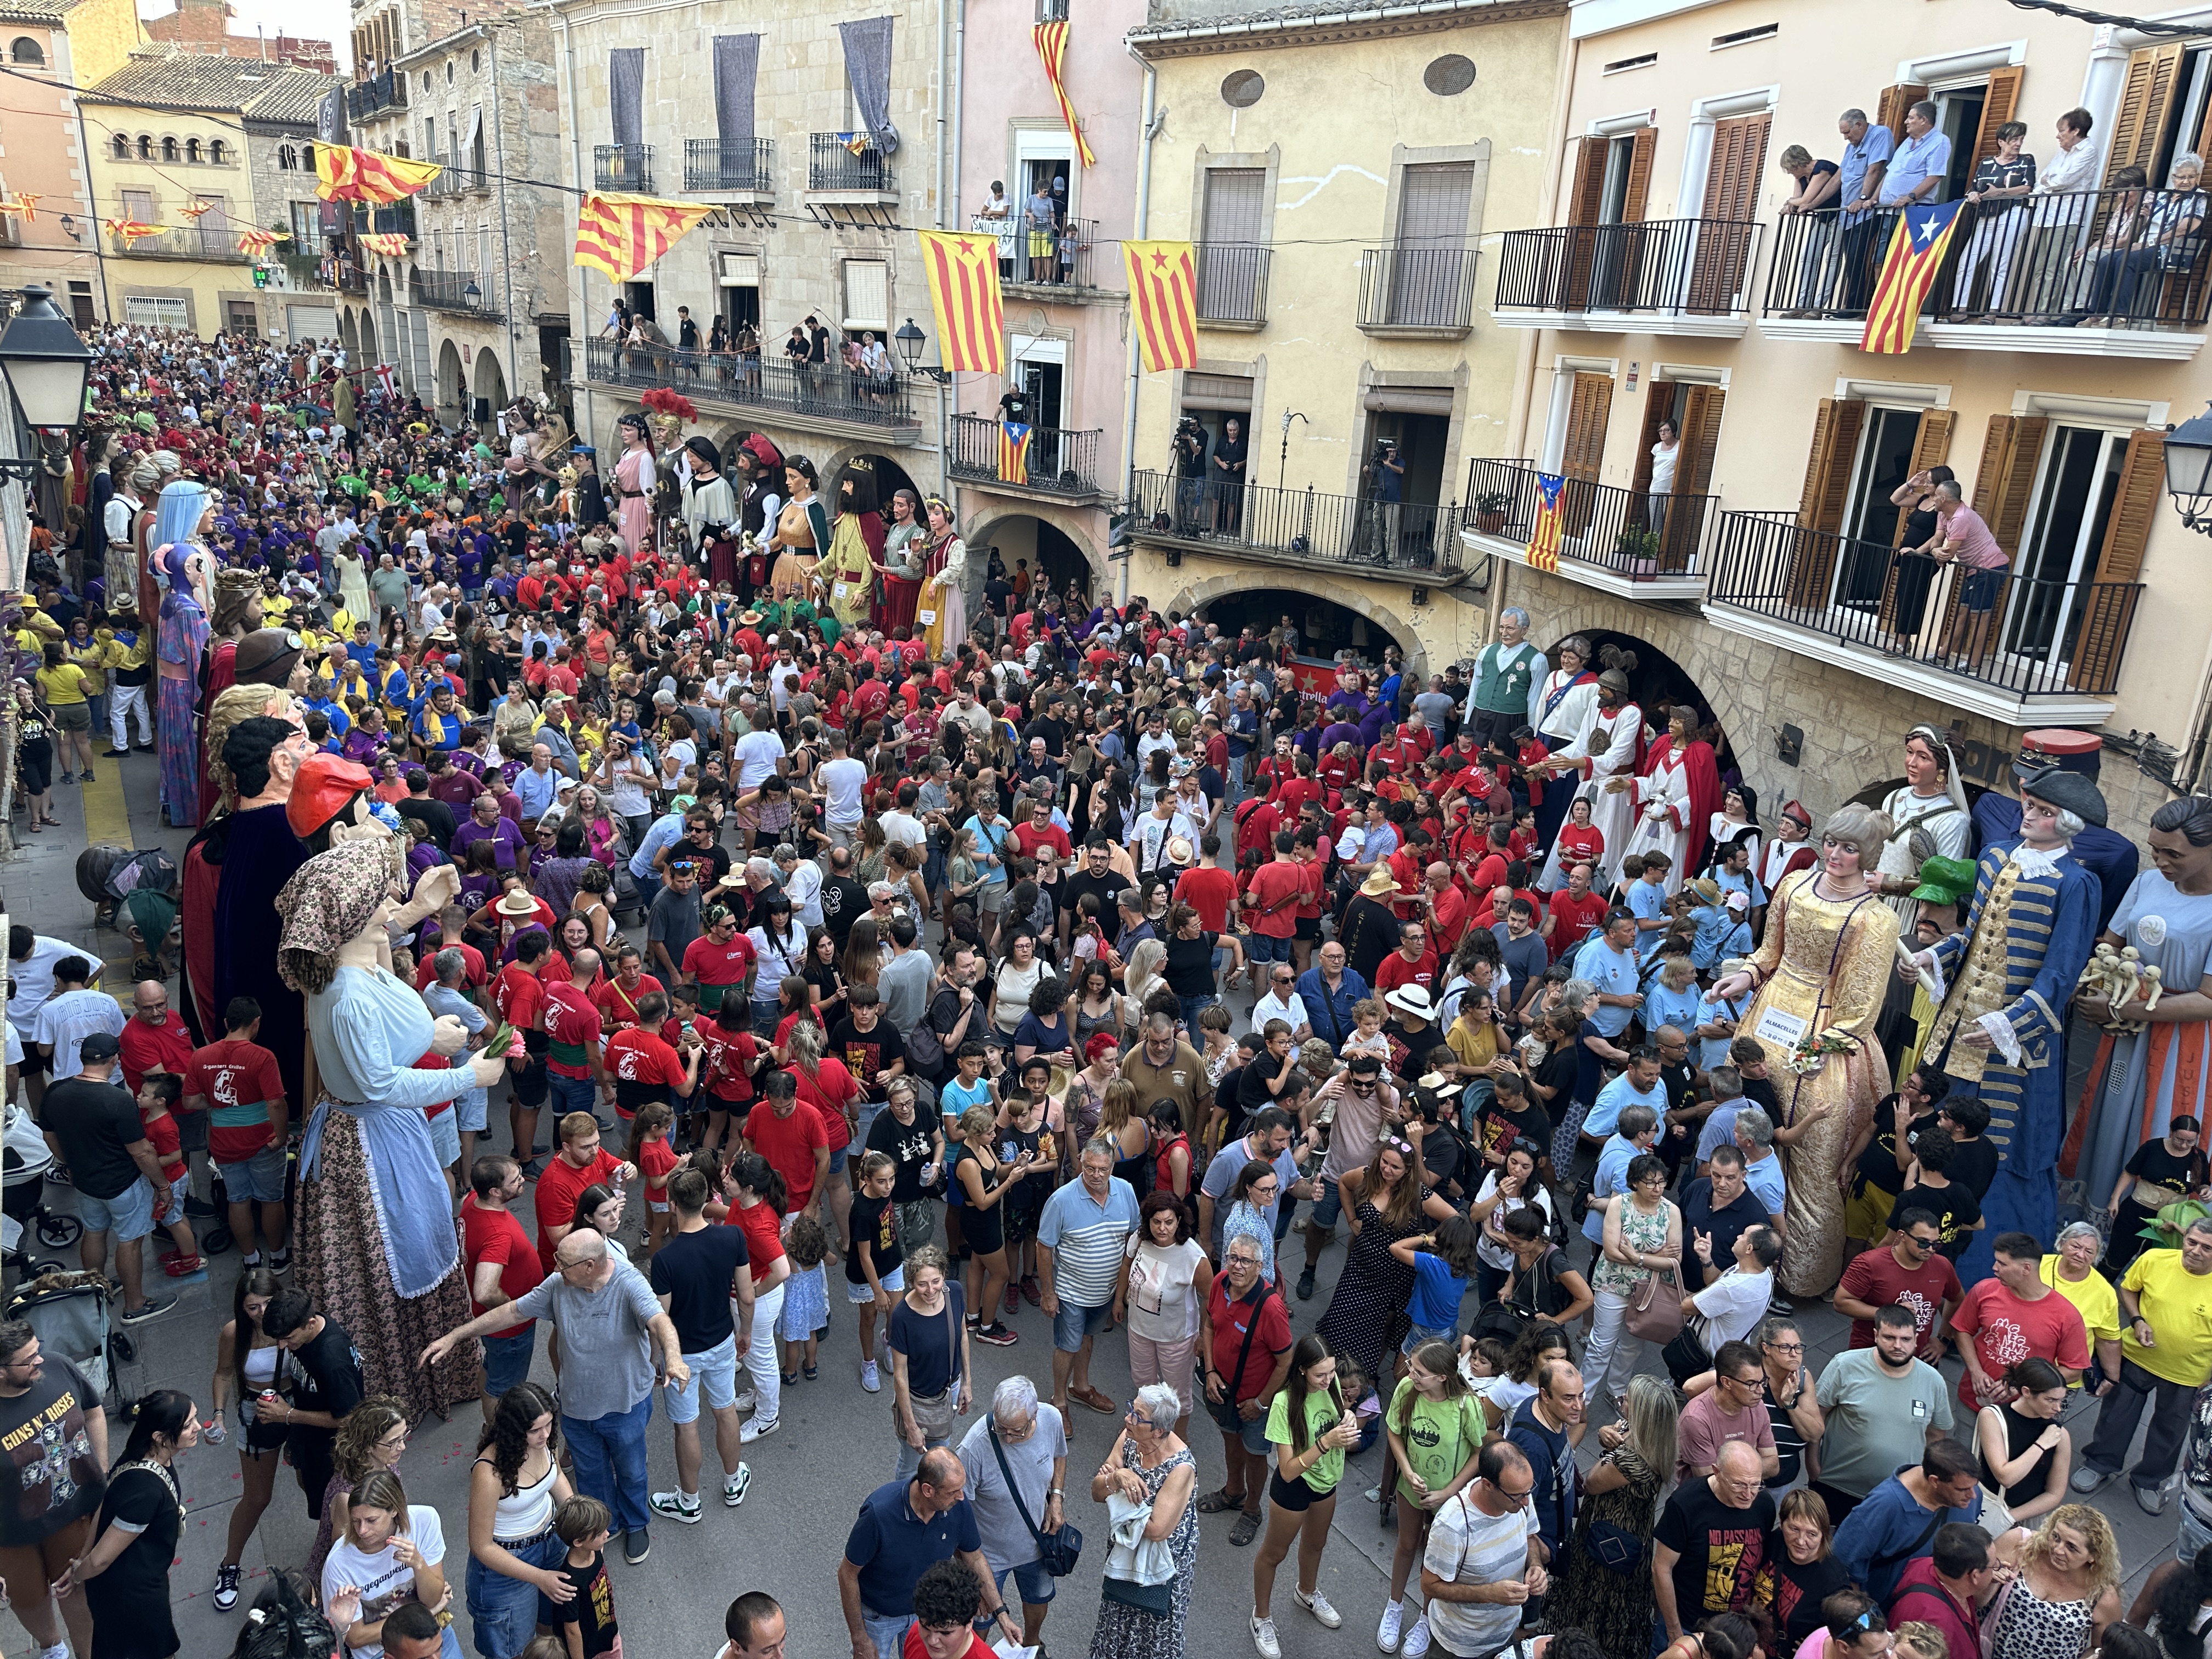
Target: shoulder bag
(1057, 1552)
(1226, 1417)
(1653, 1316)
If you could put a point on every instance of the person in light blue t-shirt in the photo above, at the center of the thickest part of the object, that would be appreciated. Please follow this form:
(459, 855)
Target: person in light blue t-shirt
(1648, 901)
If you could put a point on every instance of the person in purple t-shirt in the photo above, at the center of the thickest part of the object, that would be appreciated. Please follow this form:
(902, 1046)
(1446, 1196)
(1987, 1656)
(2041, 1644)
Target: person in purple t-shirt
(485, 824)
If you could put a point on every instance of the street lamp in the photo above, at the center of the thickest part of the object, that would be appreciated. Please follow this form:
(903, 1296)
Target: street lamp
(2189, 470)
(46, 365)
(471, 293)
(910, 342)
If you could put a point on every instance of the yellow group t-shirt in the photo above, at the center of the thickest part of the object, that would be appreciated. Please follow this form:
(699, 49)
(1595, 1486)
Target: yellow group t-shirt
(2094, 1298)
(2178, 1306)
(62, 686)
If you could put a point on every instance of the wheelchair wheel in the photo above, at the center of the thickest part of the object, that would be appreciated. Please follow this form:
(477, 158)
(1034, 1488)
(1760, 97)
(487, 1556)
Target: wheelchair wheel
(58, 1232)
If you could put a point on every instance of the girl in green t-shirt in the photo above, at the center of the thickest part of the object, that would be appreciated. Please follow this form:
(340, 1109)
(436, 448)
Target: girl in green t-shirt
(1310, 1425)
(1436, 1426)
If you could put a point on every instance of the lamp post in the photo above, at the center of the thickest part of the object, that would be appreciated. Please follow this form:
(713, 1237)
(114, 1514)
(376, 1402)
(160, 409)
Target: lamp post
(45, 364)
(2189, 472)
(911, 340)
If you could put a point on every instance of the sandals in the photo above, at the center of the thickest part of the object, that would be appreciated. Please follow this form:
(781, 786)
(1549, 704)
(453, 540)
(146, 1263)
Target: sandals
(791, 1379)
(812, 1372)
(1214, 1503)
(1246, 1529)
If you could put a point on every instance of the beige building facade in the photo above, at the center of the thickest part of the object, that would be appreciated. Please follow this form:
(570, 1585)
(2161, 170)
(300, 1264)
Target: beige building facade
(1766, 566)
(1343, 177)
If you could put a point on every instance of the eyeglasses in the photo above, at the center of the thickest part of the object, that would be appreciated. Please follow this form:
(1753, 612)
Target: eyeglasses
(1359, 1088)
(1515, 1498)
(1785, 1347)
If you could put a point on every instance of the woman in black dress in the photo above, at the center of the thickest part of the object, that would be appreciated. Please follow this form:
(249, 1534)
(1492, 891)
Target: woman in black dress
(140, 1522)
(1366, 1318)
(1916, 570)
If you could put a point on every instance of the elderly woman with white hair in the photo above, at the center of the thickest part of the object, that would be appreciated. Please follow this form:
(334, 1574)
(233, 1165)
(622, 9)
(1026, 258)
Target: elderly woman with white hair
(1150, 1465)
(2072, 1271)
(1016, 1458)
(1820, 975)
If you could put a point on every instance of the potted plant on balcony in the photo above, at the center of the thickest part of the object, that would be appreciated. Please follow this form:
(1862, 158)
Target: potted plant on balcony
(1490, 511)
(1638, 549)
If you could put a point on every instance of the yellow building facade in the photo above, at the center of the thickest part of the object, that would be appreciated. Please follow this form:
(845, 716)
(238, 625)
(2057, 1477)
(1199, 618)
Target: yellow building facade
(1343, 177)
(1765, 567)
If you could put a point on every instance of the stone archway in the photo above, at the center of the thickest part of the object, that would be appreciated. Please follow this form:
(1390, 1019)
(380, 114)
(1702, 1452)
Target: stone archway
(1360, 601)
(369, 357)
(348, 337)
(453, 385)
(1069, 525)
(490, 381)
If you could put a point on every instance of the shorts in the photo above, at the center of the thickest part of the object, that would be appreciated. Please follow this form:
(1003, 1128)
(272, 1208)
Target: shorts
(1421, 1334)
(1329, 1207)
(506, 1361)
(1978, 593)
(1265, 947)
(991, 897)
(192, 1131)
(257, 1439)
(657, 1206)
(1307, 927)
(1032, 1583)
(1073, 1322)
(472, 1111)
(173, 1200)
(446, 1139)
(1293, 1495)
(859, 1295)
(72, 716)
(129, 1215)
(837, 1158)
(256, 1180)
(2195, 1537)
(715, 1371)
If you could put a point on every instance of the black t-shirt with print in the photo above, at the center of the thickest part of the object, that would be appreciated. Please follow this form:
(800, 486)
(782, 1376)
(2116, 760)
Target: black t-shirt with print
(875, 1224)
(50, 1475)
(324, 1375)
(590, 1610)
(1496, 1128)
(1954, 1207)
(1719, 1550)
(909, 1147)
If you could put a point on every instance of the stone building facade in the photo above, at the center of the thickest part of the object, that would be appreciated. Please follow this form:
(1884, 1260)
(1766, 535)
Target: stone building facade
(50, 47)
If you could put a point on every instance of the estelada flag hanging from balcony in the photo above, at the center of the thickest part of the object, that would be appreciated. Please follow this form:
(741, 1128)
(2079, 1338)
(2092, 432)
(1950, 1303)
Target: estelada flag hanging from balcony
(964, 293)
(1907, 273)
(344, 174)
(1544, 537)
(1051, 48)
(392, 243)
(1013, 453)
(621, 235)
(1163, 293)
(133, 231)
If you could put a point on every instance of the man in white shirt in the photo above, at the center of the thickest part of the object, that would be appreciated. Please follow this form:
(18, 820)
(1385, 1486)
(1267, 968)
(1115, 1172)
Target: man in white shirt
(122, 509)
(1484, 1559)
(1281, 1001)
(760, 754)
(900, 824)
(845, 783)
(802, 884)
(72, 1014)
(1732, 1304)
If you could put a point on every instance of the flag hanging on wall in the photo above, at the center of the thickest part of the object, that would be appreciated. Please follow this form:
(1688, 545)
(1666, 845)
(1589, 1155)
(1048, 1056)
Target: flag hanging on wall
(1051, 49)
(964, 293)
(133, 231)
(621, 235)
(1544, 537)
(344, 174)
(1163, 292)
(392, 243)
(1908, 271)
(1013, 453)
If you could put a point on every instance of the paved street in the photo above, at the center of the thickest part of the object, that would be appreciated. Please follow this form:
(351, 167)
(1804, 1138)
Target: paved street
(834, 1444)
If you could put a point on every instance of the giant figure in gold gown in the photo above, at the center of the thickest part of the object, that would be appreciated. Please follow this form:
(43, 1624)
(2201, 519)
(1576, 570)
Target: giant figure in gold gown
(1824, 966)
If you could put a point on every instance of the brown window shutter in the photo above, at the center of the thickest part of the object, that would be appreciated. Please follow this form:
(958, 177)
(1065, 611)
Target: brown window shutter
(1693, 475)
(1639, 175)
(1589, 409)
(1931, 446)
(2109, 606)
(2003, 105)
(1588, 198)
(2004, 507)
(1731, 192)
(1895, 102)
(2145, 96)
(1658, 402)
(1820, 505)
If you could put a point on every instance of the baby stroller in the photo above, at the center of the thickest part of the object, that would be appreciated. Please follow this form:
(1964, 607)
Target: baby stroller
(25, 1158)
(68, 1311)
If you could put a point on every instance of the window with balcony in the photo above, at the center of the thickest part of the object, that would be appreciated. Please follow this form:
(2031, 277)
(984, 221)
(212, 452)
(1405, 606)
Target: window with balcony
(1232, 253)
(867, 292)
(138, 206)
(1425, 278)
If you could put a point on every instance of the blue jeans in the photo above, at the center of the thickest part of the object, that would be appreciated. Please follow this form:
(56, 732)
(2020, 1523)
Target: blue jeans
(573, 1094)
(506, 1361)
(648, 888)
(887, 1632)
(1237, 765)
(610, 1458)
(504, 1609)
(1191, 1008)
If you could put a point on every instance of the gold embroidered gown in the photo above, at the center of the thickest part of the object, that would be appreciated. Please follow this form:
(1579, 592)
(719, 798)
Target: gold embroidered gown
(1827, 963)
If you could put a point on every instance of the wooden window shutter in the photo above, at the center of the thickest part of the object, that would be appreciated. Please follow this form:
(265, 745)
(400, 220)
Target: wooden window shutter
(1588, 410)
(1658, 404)
(2145, 96)
(1932, 444)
(2010, 450)
(1719, 268)
(1639, 175)
(1895, 102)
(2003, 105)
(1588, 198)
(1693, 475)
(1820, 505)
(2109, 606)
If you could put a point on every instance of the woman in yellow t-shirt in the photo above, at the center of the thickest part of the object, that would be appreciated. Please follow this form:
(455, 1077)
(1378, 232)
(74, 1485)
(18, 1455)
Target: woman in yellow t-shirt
(67, 689)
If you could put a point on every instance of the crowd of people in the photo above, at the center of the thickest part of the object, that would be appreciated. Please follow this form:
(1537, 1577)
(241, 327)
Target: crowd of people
(1030, 971)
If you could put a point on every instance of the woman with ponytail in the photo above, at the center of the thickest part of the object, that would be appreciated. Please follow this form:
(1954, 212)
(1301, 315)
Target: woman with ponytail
(141, 1520)
(757, 1197)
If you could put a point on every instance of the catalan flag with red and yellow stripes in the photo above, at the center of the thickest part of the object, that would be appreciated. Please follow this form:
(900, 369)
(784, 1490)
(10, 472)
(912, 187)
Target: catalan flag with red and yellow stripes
(25, 206)
(621, 234)
(1051, 40)
(1907, 273)
(963, 291)
(392, 243)
(194, 209)
(344, 174)
(252, 241)
(1164, 295)
(132, 231)
(1544, 535)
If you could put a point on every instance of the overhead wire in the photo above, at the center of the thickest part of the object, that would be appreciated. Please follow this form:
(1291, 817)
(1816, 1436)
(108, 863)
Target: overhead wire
(2109, 19)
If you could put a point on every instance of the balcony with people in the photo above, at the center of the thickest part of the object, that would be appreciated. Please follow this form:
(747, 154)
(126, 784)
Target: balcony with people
(1055, 464)
(1647, 545)
(831, 397)
(1340, 536)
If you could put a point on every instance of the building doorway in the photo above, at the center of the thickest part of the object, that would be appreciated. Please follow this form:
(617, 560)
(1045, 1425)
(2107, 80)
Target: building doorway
(1054, 558)
(2073, 501)
(1326, 629)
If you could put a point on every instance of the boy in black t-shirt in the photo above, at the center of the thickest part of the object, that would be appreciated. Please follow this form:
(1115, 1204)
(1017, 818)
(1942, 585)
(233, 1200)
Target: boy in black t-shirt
(586, 1621)
(321, 1379)
(1931, 1185)
(1975, 1165)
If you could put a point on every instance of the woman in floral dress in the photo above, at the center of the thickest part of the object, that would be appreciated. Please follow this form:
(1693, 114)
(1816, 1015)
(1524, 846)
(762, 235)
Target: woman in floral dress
(1150, 1464)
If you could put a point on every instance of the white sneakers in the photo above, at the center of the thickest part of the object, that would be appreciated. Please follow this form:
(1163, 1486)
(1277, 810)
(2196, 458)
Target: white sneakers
(1386, 1634)
(754, 1429)
(1263, 1638)
(1417, 1640)
(1317, 1604)
(672, 1504)
(735, 1486)
(869, 1378)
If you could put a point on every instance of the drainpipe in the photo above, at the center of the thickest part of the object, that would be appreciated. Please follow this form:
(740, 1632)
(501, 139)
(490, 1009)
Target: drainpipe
(959, 103)
(1136, 362)
(943, 47)
(92, 216)
(590, 430)
(505, 248)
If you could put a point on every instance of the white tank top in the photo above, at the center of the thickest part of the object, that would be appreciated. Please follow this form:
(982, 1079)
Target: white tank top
(529, 1512)
(261, 1366)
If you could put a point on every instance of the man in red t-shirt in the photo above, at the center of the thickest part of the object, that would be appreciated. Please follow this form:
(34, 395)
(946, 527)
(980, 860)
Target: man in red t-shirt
(1446, 907)
(793, 1137)
(1911, 1272)
(2013, 1315)
(580, 1161)
(502, 1266)
(1412, 964)
(1574, 910)
(642, 1065)
(949, 1596)
(1271, 903)
(618, 997)
(472, 962)
(1244, 1349)
(155, 1039)
(572, 1035)
(518, 995)
(720, 960)
(236, 1084)
(1038, 829)
(1207, 888)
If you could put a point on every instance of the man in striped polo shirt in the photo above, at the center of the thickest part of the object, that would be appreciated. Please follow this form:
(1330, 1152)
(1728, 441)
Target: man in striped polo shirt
(1080, 1237)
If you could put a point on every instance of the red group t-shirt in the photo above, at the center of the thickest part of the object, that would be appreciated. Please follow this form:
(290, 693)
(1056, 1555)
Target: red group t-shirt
(519, 996)
(1210, 891)
(2007, 1330)
(1572, 919)
(618, 1007)
(719, 967)
(164, 1048)
(162, 1134)
(1874, 1277)
(1280, 889)
(572, 1029)
(496, 1236)
(726, 1071)
(238, 1079)
(645, 1069)
(763, 1230)
(558, 1189)
(788, 1144)
(1396, 970)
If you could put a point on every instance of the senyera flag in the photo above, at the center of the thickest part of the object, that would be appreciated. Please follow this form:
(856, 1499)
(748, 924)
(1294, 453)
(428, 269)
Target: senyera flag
(252, 241)
(1916, 251)
(1163, 293)
(344, 174)
(1051, 39)
(1544, 537)
(133, 231)
(392, 243)
(621, 235)
(964, 293)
